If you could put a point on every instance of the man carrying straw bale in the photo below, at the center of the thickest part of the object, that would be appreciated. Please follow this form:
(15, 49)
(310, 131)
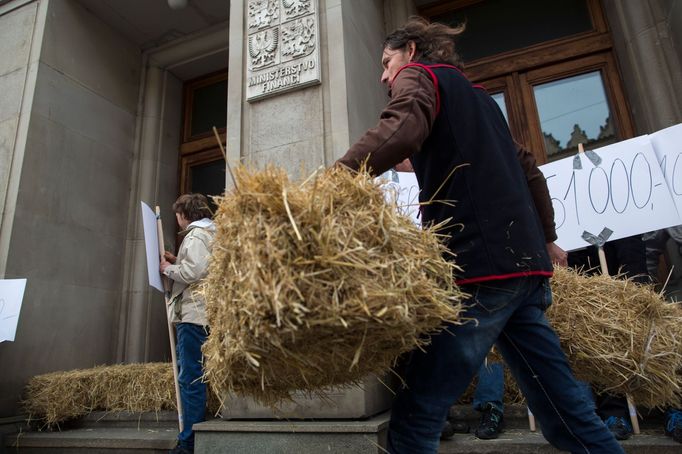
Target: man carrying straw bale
(187, 308)
(469, 177)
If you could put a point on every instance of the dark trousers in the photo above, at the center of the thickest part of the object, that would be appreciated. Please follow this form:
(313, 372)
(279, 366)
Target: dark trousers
(192, 390)
(510, 314)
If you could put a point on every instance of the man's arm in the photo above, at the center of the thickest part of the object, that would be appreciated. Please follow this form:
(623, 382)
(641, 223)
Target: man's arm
(543, 203)
(194, 266)
(403, 126)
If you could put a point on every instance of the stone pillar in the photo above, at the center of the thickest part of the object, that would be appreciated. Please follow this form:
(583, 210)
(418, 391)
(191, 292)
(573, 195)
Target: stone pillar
(650, 66)
(396, 12)
(306, 125)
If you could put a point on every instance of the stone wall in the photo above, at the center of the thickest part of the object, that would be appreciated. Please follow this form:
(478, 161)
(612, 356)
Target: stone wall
(304, 129)
(646, 36)
(72, 201)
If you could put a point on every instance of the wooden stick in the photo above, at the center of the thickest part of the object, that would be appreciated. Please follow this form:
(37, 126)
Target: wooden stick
(632, 410)
(531, 420)
(633, 414)
(171, 334)
(227, 163)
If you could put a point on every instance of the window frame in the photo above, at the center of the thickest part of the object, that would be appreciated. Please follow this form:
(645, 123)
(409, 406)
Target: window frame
(516, 72)
(188, 100)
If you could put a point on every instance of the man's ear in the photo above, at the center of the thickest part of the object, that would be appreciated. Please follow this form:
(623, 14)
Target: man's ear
(411, 49)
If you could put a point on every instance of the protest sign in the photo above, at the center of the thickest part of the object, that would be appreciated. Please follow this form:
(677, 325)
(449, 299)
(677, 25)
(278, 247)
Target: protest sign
(151, 243)
(620, 187)
(11, 296)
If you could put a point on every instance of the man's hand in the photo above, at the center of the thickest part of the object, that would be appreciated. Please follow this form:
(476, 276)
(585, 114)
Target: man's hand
(169, 257)
(404, 166)
(164, 264)
(557, 255)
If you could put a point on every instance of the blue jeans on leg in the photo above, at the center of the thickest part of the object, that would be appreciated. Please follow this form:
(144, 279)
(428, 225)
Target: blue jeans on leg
(192, 390)
(490, 388)
(510, 313)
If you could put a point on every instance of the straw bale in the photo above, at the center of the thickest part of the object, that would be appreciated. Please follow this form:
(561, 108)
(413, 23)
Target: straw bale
(620, 336)
(317, 284)
(60, 396)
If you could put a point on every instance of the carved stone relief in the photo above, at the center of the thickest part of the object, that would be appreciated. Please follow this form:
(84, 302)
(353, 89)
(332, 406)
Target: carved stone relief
(283, 46)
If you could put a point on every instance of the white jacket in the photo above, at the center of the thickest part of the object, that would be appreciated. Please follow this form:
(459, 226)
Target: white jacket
(185, 305)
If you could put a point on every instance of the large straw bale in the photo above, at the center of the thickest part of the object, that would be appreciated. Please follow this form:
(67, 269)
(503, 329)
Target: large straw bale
(59, 396)
(317, 284)
(620, 336)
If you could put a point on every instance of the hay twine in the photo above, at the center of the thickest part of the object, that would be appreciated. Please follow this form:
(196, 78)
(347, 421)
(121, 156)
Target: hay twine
(317, 284)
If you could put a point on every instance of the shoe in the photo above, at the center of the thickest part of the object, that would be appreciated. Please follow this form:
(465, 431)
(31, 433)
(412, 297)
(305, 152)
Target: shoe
(447, 432)
(492, 422)
(673, 425)
(452, 427)
(619, 427)
(180, 450)
(460, 427)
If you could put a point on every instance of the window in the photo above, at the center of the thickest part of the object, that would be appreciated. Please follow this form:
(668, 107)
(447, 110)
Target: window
(202, 166)
(549, 65)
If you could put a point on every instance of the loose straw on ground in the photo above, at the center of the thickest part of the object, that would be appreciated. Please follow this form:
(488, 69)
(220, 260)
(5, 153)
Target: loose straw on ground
(317, 284)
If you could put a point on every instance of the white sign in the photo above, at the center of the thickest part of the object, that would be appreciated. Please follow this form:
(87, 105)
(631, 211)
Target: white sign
(151, 243)
(403, 189)
(626, 193)
(668, 146)
(283, 51)
(11, 296)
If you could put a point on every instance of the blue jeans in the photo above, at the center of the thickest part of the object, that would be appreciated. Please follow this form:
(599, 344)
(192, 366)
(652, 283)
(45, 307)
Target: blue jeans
(510, 314)
(192, 390)
(490, 388)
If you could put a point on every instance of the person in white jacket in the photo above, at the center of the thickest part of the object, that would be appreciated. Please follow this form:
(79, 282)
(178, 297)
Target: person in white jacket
(187, 309)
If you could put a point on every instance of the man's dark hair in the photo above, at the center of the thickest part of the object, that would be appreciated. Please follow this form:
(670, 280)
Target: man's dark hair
(192, 206)
(434, 42)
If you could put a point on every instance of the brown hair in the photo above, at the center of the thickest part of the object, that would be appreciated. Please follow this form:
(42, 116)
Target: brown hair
(434, 42)
(192, 206)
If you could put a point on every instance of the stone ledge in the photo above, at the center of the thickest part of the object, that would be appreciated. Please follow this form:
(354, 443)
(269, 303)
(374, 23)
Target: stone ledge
(296, 437)
(371, 425)
(118, 438)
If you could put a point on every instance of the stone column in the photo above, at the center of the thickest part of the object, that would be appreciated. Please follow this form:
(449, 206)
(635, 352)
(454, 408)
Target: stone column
(298, 124)
(651, 69)
(396, 12)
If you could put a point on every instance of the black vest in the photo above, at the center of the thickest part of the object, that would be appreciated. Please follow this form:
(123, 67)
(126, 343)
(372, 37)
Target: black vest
(469, 175)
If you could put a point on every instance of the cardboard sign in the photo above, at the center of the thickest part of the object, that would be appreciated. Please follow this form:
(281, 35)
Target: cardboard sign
(11, 296)
(151, 244)
(625, 192)
(668, 147)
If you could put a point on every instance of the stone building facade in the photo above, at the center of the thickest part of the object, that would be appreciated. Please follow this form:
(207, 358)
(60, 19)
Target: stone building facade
(91, 113)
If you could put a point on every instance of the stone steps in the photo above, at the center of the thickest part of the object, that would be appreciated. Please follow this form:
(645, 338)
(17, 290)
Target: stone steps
(517, 441)
(108, 433)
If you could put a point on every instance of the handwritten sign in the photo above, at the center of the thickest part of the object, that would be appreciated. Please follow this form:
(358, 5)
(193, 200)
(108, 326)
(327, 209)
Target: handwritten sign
(668, 146)
(11, 296)
(625, 192)
(151, 243)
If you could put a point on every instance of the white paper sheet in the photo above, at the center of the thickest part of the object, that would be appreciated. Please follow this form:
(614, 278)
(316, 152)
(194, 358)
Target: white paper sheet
(402, 189)
(151, 243)
(11, 296)
(626, 193)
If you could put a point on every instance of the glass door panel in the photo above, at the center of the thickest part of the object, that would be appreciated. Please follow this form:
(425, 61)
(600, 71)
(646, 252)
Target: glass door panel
(499, 99)
(574, 110)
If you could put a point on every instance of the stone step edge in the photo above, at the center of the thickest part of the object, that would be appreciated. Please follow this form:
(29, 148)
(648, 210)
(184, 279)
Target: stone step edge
(116, 438)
